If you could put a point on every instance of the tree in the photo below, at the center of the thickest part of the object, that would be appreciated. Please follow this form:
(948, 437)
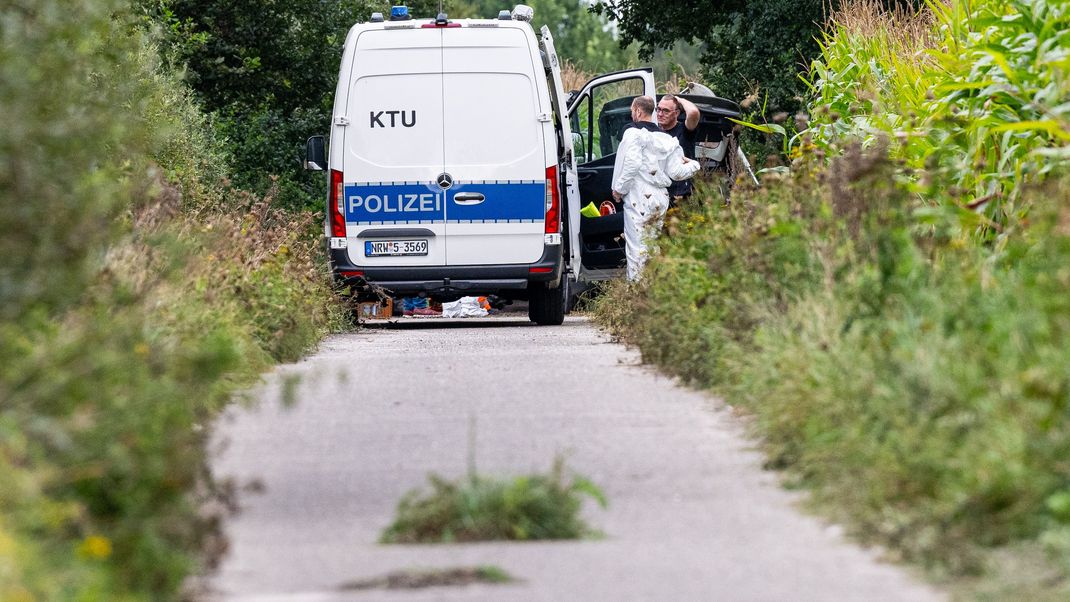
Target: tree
(749, 44)
(580, 36)
(267, 74)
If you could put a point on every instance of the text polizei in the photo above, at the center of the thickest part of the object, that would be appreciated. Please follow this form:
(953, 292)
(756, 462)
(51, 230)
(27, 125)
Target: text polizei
(395, 203)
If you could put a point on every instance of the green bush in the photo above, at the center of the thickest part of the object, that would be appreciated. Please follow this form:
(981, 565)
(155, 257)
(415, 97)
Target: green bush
(107, 406)
(746, 45)
(944, 397)
(268, 145)
(267, 77)
(728, 265)
(138, 291)
(68, 147)
(895, 318)
(916, 384)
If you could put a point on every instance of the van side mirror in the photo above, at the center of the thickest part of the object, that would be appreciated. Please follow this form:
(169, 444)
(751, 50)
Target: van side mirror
(315, 154)
(578, 148)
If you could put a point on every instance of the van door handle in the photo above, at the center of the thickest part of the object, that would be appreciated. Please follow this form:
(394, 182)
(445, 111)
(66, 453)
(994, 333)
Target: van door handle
(468, 198)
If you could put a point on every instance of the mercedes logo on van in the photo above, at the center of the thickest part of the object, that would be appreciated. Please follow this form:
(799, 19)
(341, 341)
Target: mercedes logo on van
(444, 180)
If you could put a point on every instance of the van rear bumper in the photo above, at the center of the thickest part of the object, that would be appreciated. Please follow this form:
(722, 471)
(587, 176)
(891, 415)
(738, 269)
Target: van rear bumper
(452, 279)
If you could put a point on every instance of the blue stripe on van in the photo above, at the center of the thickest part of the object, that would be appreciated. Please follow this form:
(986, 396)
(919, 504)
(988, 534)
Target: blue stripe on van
(390, 202)
(393, 203)
(505, 202)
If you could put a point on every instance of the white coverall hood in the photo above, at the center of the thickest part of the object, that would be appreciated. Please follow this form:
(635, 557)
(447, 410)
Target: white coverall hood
(647, 163)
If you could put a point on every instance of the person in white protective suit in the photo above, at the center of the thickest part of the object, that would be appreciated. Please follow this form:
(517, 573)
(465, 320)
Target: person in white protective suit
(648, 161)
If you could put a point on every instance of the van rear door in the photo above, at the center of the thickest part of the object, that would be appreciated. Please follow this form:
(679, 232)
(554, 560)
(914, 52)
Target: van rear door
(599, 113)
(567, 180)
(494, 146)
(394, 209)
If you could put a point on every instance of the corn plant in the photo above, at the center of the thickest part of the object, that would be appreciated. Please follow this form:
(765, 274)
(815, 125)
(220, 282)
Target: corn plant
(973, 95)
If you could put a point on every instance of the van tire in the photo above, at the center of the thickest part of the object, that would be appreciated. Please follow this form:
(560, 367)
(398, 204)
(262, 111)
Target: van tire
(546, 306)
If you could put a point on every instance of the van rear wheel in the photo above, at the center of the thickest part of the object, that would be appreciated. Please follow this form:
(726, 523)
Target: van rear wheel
(546, 306)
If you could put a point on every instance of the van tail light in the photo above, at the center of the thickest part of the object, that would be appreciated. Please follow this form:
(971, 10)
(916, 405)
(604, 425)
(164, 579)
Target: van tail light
(335, 201)
(553, 201)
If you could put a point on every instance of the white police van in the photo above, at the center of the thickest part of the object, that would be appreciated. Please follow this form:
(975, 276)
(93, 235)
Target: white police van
(452, 162)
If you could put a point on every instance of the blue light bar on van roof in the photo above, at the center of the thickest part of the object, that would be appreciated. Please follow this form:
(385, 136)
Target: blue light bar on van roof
(399, 13)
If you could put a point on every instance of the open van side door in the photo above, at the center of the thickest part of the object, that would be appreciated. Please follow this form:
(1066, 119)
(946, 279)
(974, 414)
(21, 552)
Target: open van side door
(566, 161)
(598, 114)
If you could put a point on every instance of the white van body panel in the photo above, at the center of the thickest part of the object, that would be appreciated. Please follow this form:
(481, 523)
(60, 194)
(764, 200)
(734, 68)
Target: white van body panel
(393, 148)
(495, 145)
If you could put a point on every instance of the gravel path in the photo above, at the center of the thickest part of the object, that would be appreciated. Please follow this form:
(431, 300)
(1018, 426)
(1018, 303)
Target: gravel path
(692, 516)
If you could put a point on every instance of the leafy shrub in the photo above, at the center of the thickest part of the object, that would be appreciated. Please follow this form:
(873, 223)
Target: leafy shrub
(64, 173)
(908, 371)
(267, 77)
(728, 265)
(915, 383)
(479, 508)
(925, 399)
(268, 144)
(745, 44)
(132, 283)
(107, 406)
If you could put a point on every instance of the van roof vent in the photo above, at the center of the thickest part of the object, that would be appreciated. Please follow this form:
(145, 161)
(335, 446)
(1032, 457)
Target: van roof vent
(377, 18)
(504, 15)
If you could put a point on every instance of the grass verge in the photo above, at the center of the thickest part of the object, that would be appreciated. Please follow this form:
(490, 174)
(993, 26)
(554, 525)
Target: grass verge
(916, 384)
(137, 291)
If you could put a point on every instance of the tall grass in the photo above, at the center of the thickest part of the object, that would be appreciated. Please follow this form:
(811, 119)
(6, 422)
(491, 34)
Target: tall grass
(893, 309)
(916, 385)
(573, 77)
(973, 96)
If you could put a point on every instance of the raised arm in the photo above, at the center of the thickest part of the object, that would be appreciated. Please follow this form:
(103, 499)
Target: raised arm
(691, 113)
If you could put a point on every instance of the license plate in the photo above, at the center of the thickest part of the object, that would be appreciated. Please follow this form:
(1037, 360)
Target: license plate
(378, 248)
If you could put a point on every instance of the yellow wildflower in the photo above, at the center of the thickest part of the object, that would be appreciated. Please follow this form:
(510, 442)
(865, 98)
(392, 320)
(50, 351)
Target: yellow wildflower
(96, 547)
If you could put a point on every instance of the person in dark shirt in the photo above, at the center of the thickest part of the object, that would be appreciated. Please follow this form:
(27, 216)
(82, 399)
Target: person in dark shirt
(669, 113)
